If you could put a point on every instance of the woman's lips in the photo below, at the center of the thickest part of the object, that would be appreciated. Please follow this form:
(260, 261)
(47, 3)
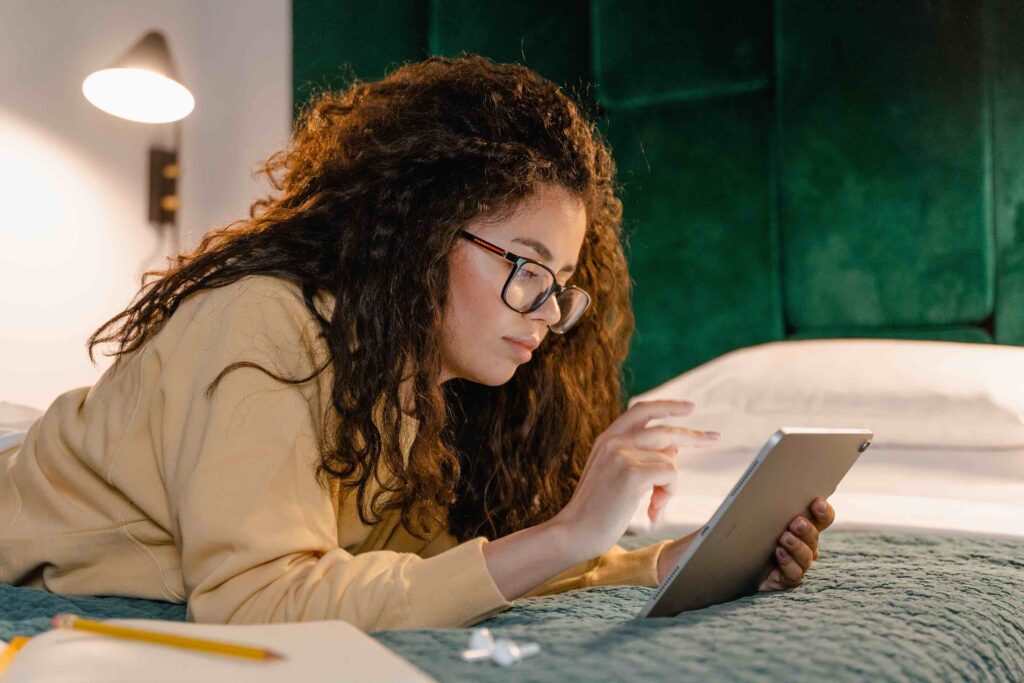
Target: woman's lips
(522, 351)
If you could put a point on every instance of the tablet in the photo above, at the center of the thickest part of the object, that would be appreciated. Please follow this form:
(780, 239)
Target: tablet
(733, 553)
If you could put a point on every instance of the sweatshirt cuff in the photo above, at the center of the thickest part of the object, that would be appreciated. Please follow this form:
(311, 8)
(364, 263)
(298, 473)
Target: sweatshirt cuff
(637, 567)
(454, 588)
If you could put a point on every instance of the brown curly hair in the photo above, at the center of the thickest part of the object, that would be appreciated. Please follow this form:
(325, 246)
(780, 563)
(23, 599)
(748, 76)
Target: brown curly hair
(372, 193)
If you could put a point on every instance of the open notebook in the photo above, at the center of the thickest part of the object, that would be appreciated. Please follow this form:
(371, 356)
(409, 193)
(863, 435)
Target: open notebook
(313, 650)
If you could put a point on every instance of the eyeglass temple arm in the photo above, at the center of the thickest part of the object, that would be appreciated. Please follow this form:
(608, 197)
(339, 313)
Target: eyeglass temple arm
(494, 248)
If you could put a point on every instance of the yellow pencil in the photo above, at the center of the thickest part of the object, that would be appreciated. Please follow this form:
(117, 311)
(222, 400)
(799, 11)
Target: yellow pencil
(214, 646)
(12, 649)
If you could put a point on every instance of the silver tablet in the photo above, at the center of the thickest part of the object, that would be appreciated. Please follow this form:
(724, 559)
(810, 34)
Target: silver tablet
(733, 553)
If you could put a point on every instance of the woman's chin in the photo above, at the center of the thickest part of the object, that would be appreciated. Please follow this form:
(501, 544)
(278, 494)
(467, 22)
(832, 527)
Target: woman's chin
(497, 374)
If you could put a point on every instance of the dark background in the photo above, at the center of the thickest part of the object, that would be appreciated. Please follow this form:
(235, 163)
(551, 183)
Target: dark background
(791, 169)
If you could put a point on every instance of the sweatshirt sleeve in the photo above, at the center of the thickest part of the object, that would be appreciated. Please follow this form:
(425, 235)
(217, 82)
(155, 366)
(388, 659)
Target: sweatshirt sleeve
(616, 566)
(257, 532)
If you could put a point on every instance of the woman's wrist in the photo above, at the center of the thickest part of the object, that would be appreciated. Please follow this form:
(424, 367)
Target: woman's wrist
(667, 559)
(670, 554)
(523, 560)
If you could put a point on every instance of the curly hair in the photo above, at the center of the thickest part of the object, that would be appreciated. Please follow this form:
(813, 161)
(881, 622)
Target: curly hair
(371, 194)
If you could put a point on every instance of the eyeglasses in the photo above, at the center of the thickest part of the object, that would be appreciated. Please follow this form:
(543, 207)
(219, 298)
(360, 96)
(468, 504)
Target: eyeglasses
(531, 283)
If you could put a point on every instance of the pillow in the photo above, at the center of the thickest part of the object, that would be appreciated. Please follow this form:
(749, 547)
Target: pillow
(910, 393)
(14, 423)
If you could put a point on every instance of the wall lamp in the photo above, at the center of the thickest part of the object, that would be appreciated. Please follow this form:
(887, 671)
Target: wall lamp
(143, 86)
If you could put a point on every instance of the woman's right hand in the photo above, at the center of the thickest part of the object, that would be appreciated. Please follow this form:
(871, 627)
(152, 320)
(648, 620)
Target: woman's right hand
(627, 460)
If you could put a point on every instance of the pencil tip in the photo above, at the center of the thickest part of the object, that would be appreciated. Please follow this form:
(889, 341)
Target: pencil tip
(274, 655)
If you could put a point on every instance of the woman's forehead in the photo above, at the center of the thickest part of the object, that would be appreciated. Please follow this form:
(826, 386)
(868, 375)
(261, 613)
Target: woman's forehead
(550, 224)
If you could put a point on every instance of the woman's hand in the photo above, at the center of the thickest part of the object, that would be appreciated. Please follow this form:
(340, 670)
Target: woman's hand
(627, 460)
(797, 549)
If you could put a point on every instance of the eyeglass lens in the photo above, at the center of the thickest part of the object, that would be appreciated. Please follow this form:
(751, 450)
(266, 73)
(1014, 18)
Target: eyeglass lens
(530, 284)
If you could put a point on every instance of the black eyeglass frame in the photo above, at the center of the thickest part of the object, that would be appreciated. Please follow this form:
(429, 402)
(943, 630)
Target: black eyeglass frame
(518, 261)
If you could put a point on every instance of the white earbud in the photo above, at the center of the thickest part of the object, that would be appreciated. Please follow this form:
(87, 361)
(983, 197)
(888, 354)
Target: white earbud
(481, 639)
(481, 645)
(505, 652)
(508, 652)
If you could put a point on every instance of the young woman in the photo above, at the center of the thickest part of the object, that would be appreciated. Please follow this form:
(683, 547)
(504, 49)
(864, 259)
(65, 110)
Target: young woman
(391, 396)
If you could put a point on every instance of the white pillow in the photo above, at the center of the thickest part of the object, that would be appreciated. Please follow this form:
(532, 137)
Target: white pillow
(926, 394)
(14, 423)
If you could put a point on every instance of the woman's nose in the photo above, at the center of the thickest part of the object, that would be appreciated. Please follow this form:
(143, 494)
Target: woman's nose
(549, 311)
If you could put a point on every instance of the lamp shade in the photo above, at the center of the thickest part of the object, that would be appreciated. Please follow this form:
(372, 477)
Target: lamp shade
(142, 85)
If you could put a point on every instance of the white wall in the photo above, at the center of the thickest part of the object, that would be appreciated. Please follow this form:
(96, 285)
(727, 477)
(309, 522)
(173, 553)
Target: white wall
(74, 234)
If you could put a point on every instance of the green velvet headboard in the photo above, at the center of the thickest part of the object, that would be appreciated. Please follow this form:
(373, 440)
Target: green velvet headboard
(790, 169)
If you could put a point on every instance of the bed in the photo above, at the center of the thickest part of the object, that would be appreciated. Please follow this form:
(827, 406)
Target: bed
(889, 606)
(921, 577)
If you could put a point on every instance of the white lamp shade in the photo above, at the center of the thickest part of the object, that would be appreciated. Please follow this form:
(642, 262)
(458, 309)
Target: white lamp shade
(138, 95)
(141, 86)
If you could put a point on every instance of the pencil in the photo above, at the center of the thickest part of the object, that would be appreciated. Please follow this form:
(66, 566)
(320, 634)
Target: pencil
(214, 646)
(7, 656)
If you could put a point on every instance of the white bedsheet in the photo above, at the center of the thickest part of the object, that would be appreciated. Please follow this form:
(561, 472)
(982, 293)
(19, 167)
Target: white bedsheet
(955, 490)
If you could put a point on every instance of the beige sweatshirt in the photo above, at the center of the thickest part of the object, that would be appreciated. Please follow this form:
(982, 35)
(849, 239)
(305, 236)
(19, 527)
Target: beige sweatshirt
(142, 486)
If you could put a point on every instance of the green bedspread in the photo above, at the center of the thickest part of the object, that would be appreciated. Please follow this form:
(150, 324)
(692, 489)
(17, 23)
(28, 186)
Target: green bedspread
(892, 606)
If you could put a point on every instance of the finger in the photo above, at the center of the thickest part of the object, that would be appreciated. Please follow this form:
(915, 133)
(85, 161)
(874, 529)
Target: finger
(772, 582)
(792, 573)
(664, 437)
(824, 514)
(654, 474)
(664, 489)
(799, 550)
(639, 413)
(664, 485)
(659, 498)
(806, 532)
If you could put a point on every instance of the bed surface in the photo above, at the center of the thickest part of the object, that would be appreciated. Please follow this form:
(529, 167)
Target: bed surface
(890, 606)
(957, 490)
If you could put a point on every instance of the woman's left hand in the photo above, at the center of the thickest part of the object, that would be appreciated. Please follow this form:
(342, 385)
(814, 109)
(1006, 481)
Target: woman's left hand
(796, 551)
(798, 547)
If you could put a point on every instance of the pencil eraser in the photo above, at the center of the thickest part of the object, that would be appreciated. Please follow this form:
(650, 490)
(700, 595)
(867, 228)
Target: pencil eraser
(62, 620)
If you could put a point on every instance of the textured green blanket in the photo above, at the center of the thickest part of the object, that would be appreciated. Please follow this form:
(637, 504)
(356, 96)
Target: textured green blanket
(875, 606)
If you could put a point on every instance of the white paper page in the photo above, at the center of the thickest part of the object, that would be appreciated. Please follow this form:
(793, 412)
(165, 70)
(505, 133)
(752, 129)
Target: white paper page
(314, 650)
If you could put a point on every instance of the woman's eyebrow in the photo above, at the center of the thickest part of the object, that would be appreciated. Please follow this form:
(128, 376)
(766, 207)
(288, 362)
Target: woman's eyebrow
(544, 252)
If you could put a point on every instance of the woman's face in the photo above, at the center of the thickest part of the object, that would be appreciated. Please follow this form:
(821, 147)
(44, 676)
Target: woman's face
(477, 324)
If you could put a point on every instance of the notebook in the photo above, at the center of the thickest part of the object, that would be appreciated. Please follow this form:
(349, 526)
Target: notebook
(314, 651)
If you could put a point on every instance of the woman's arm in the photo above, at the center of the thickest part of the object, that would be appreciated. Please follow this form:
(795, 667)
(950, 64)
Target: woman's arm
(527, 558)
(538, 561)
(615, 567)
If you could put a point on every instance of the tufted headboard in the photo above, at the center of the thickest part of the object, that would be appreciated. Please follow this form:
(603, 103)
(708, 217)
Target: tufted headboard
(789, 169)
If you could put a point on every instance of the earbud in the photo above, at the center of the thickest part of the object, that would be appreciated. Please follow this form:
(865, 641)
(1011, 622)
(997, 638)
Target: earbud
(503, 651)
(508, 652)
(481, 639)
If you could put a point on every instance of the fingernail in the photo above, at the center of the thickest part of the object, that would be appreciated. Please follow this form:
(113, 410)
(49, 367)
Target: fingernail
(800, 525)
(819, 507)
(782, 553)
(788, 538)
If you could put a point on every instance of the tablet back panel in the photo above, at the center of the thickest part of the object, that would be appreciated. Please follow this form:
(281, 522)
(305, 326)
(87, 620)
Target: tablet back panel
(733, 553)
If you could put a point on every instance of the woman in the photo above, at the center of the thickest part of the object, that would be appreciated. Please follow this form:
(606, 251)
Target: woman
(327, 410)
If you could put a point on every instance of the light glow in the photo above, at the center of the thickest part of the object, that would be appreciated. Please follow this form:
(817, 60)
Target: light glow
(138, 95)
